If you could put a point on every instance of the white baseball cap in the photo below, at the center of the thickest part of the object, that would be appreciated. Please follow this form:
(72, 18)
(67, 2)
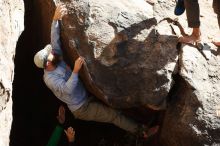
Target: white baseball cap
(40, 57)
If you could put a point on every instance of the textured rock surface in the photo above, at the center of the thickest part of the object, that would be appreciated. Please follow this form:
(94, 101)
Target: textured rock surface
(11, 26)
(192, 119)
(130, 56)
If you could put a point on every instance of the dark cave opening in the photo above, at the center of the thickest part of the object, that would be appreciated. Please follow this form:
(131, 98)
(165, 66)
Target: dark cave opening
(35, 107)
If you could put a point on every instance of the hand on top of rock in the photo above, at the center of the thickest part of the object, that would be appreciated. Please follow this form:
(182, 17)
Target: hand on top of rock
(78, 64)
(60, 11)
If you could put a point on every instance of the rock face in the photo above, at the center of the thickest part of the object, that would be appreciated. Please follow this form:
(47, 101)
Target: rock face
(130, 56)
(11, 26)
(192, 119)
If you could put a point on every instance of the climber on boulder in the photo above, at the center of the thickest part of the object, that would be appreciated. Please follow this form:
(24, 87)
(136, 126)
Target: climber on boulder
(67, 86)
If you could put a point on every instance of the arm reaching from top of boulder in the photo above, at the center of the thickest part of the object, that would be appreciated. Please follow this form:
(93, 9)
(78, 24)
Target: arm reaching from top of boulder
(55, 29)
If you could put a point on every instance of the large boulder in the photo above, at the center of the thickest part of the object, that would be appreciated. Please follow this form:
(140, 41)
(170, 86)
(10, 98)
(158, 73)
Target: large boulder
(192, 118)
(11, 26)
(130, 56)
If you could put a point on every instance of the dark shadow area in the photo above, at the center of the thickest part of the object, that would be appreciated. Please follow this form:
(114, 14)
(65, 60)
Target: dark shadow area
(140, 88)
(33, 106)
(217, 52)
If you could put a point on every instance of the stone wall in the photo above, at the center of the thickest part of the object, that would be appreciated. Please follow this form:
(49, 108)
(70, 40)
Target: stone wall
(11, 26)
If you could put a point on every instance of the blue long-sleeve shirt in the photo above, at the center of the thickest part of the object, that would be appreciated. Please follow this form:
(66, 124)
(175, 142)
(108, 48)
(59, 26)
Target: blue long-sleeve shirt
(65, 84)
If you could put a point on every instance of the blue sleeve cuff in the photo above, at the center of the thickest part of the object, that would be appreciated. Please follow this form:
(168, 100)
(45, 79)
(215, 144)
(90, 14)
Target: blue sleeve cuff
(75, 76)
